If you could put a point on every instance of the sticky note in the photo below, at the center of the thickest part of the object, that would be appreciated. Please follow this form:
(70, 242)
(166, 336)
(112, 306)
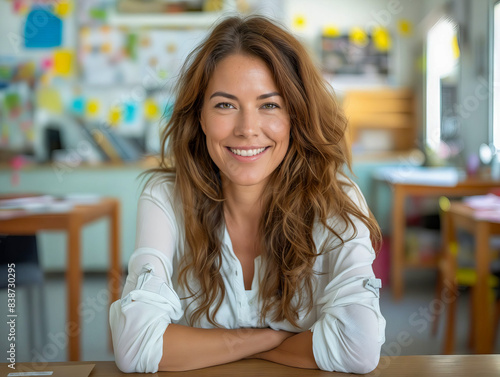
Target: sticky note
(382, 39)
(44, 34)
(63, 8)
(49, 98)
(115, 115)
(299, 22)
(151, 110)
(63, 62)
(47, 63)
(455, 47)
(12, 101)
(78, 105)
(93, 107)
(405, 27)
(130, 112)
(331, 31)
(358, 37)
(98, 14)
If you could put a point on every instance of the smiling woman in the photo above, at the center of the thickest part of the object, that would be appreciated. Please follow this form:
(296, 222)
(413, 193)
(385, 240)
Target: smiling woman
(245, 121)
(255, 243)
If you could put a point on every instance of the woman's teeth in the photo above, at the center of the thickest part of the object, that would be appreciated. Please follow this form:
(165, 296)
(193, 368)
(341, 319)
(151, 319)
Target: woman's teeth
(247, 153)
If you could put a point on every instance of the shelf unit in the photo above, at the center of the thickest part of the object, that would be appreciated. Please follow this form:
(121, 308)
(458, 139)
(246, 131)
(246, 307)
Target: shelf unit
(389, 110)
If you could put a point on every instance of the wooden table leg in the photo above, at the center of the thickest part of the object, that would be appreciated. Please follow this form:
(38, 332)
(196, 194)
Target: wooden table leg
(115, 271)
(482, 310)
(74, 284)
(397, 244)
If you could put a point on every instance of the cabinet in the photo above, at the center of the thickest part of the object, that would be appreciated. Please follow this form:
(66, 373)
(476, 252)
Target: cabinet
(381, 119)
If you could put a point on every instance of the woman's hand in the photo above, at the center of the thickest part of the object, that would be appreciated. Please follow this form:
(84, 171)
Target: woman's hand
(295, 350)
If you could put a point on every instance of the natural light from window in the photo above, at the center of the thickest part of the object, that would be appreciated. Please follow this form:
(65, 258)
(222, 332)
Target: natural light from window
(496, 77)
(442, 58)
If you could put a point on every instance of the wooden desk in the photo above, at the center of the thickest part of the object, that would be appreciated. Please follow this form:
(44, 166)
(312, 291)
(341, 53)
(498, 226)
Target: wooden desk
(400, 366)
(401, 191)
(460, 216)
(72, 222)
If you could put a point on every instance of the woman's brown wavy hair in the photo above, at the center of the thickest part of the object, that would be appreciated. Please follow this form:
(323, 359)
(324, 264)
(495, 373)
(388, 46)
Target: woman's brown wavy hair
(303, 190)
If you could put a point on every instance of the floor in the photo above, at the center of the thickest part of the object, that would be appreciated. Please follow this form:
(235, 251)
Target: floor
(408, 324)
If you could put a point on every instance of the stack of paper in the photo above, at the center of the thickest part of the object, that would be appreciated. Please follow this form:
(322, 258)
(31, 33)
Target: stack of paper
(23, 206)
(487, 207)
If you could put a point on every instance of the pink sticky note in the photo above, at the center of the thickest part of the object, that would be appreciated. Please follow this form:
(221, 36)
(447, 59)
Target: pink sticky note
(47, 64)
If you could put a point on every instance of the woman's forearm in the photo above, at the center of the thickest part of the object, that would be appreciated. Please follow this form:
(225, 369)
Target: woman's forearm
(296, 351)
(186, 348)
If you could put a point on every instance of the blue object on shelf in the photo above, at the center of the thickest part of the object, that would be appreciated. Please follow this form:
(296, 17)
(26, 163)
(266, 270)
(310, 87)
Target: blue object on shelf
(42, 29)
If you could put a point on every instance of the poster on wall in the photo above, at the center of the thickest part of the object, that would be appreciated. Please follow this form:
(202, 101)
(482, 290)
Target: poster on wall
(355, 54)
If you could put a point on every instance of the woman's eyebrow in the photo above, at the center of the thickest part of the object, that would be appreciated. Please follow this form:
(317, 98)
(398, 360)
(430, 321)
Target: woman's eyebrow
(230, 96)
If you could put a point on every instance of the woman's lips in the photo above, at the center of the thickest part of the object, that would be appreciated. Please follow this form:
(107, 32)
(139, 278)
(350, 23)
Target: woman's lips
(247, 158)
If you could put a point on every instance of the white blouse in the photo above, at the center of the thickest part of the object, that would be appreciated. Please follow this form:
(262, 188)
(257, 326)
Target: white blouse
(348, 328)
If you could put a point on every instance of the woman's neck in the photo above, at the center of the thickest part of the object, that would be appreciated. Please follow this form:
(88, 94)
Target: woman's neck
(243, 205)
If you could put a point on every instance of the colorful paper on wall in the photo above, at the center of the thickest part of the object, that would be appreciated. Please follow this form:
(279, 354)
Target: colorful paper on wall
(49, 99)
(331, 31)
(405, 27)
(299, 22)
(130, 112)
(455, 47)
(12, 103)
(115, 115)
(63, 8)
(382, 39)
(20, 6)
(93, 108)
(63, 62)
(151, 110)
(78, 106)
(42, 29)
(358, 37)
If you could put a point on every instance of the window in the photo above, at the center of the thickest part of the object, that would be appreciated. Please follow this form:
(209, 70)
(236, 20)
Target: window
(442, 55)
(496, 76)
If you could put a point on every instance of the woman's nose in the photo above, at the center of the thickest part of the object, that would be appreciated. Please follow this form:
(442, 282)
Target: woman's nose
(247, 124)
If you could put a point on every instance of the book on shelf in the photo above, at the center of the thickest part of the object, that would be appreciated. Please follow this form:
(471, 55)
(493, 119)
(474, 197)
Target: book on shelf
(88, 136)
(125, 149)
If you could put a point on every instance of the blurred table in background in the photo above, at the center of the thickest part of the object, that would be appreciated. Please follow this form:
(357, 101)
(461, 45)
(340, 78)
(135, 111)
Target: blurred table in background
(73, 221)
(408, 182)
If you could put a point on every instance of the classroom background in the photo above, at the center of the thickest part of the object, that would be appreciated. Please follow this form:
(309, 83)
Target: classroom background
(86, 87)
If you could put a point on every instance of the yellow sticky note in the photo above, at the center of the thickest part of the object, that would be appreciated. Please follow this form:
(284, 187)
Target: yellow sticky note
(405, 27)
(299, 22)
(63, 8)
(93, 107)
(115, 115)
(382, 39)
(331, 31)
(49, 98)
(455, 47)
(63, 62)
(151, 109)
(358, 37)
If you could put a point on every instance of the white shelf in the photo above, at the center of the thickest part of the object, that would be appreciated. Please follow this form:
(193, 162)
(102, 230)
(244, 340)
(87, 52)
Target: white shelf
(190, 20)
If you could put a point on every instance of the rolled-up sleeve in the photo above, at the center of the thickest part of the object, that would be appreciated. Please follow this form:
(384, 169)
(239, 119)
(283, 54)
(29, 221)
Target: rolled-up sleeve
(350, 330)
(149, 303)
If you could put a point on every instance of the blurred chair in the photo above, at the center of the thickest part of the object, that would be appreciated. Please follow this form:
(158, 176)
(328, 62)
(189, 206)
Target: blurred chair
(451, 276)
(23, 251)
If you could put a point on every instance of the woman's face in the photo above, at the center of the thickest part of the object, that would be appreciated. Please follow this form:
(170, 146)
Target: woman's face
(245, 122)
